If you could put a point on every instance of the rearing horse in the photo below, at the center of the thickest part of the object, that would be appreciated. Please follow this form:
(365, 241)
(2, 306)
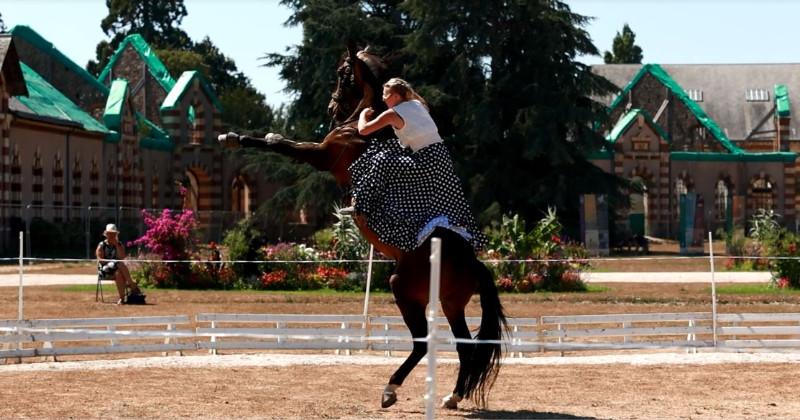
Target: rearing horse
(359, 83)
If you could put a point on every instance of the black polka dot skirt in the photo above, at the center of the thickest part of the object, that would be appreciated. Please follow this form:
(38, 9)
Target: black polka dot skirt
(406, 195)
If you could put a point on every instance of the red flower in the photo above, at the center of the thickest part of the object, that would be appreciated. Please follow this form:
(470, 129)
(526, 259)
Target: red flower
(555, 239)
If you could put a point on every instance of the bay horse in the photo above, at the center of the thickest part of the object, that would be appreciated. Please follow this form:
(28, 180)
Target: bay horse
(359, 86)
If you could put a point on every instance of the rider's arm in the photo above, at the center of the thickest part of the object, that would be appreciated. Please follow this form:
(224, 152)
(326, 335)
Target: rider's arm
(387, 118)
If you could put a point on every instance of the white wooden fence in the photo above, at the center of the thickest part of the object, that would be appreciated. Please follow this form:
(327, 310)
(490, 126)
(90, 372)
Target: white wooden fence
(54, 337)
(689, 331)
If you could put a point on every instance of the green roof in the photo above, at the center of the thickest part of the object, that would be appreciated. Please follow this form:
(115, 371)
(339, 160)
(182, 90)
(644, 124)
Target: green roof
(785, 157)
(782, 106)
(186, 80)
(629, 118)
(33, 38)
(661, 75)
(46, 102)
(154, 64)
(152, 136)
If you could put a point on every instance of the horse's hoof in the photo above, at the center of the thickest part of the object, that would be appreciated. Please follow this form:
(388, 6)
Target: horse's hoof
(388, 399)
(451, 401)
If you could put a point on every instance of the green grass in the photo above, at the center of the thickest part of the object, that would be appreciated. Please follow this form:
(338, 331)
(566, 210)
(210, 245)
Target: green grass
(753, 289)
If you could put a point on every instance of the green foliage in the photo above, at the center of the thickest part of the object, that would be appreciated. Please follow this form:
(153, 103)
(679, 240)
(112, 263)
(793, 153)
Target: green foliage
(786, 269)
(348, 243)
(243, 243)
(179, 61)
(625, 50)
(765, 229)
(554, 265)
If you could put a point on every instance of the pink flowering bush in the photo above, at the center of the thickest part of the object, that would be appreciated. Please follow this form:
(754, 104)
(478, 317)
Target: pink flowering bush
(170, 237)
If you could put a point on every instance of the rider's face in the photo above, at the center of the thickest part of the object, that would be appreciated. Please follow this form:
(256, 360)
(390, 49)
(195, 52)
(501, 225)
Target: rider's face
(390, 97)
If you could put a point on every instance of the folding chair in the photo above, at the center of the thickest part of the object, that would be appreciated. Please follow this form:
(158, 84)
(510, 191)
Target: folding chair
(98, 291)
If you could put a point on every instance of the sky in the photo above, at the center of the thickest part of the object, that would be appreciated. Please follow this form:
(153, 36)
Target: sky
(668, 31)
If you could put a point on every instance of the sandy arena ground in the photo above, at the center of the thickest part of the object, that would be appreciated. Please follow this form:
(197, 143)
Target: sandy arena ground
(668, 385)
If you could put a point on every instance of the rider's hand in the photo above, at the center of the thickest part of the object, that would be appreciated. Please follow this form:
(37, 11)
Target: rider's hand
(367, 112)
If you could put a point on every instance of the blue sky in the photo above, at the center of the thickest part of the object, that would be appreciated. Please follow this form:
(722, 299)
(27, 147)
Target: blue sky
(669, 31)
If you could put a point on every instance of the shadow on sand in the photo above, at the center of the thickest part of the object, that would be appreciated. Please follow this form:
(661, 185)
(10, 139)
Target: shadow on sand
(521, 414)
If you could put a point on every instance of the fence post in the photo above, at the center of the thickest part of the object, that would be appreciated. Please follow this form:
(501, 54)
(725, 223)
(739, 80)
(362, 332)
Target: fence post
(433, 306)
(713, 290)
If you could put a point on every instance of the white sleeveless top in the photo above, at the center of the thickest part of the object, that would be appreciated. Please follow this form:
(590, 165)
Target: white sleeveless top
(419, 130)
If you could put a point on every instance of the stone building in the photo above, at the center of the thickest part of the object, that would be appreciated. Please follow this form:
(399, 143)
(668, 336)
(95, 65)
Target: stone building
(724, 132)
(80, 150)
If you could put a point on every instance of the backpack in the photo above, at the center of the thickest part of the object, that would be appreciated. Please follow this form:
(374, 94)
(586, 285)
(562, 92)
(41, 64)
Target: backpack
(135, 298)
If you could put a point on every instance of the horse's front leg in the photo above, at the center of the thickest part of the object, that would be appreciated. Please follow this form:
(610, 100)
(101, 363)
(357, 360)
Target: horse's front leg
(307, 152)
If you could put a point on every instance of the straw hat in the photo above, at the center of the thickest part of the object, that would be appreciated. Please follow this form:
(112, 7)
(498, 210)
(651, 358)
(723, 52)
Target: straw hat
(110, 228)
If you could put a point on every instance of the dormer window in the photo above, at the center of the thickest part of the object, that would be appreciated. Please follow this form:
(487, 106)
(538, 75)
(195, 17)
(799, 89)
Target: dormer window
(695, 94)
(757, 95)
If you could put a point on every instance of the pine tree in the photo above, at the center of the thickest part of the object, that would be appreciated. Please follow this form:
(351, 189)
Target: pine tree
(625, 49)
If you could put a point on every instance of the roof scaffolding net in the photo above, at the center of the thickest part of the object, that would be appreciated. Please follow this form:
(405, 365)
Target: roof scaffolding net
(46, 102)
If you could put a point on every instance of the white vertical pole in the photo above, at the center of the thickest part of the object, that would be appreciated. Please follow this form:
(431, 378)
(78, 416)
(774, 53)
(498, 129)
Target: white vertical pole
(713, 290)
(369, 282)
(366, 326)
(21, 254)
(433, 306)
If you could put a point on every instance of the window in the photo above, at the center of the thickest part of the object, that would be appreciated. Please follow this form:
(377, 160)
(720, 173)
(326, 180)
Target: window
(761, 193)
(695, 94)
(721, 200)
(757, 95)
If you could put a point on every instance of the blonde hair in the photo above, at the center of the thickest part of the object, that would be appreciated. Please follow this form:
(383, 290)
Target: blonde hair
(404, 89)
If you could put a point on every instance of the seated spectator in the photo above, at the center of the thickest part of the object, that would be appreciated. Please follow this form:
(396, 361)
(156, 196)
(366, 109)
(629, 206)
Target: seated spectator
(109, 253)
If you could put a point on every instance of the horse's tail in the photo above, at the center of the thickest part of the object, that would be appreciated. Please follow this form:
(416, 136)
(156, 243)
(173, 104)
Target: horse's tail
(485, 362)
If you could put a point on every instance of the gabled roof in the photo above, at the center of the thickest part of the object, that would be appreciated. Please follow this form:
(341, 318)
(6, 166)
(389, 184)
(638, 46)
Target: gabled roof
(33, 38)
(154, 65)
(662, 76)
(628, 118)
(187, 78)
(45, 103)
(723, 88)
(9, 67)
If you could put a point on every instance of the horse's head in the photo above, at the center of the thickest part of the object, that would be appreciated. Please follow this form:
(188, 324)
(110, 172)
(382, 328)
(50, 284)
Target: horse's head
(358, 85)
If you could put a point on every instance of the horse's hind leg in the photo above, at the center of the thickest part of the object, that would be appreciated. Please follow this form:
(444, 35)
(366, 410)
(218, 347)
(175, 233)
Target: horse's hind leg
(458, 325)
(414, 317)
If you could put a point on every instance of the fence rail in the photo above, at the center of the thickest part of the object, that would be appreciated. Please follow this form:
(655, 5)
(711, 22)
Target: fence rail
(214, 332)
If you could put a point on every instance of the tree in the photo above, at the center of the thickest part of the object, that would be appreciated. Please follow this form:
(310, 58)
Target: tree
(625, 49)
(157, 21)
(3, 28)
